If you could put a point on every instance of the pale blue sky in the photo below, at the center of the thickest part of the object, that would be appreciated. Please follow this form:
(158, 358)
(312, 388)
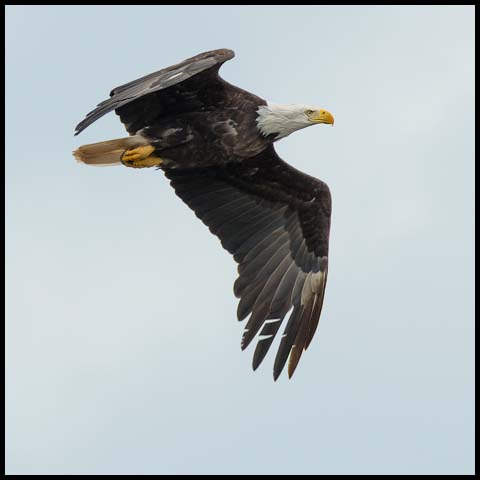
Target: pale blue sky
(123, 351)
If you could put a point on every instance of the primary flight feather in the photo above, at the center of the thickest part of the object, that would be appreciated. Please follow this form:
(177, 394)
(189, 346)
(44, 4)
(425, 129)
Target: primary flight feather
(214, 142)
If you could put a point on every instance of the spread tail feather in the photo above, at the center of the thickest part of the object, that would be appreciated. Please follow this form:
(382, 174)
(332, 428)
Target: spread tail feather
(108, 153)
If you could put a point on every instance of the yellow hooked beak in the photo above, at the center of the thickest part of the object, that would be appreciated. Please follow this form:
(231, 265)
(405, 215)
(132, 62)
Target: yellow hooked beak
(322, 116)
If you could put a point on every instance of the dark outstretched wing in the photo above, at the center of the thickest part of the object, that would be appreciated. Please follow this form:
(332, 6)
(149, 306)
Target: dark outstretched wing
(275, 220)
(140, 102)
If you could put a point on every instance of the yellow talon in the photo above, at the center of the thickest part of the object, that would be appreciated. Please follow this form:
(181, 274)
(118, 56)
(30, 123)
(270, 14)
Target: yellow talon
(151, 161)
(141, 157)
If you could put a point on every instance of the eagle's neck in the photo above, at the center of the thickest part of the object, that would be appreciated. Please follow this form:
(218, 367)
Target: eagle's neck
(280, 120)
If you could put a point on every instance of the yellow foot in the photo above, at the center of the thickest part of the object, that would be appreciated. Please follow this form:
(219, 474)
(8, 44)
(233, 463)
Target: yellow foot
(140, 157)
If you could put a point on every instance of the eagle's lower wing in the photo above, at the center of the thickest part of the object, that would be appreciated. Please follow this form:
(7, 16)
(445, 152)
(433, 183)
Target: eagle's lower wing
(134, 91)
(275, 220)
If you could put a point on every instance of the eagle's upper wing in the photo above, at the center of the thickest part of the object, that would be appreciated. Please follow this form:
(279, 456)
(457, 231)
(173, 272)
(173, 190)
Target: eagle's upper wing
(275, 220)
(139, 94)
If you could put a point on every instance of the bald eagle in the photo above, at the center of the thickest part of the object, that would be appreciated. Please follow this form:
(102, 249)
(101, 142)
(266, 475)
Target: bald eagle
(214, 142)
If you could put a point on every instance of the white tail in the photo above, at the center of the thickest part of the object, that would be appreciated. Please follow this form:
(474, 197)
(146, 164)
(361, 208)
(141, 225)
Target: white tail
(107, 153)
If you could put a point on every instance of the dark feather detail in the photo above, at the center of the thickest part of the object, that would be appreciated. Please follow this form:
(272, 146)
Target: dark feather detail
(317, 310)
(276, 224)
(288, 337)
(299, 342)
(268, 333)
(145, 87)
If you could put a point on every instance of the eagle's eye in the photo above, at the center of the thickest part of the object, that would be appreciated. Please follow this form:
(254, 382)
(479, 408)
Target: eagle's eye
(309, 112)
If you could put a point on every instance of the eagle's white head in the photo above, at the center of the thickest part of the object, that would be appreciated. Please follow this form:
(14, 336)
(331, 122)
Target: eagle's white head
(282, 120)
